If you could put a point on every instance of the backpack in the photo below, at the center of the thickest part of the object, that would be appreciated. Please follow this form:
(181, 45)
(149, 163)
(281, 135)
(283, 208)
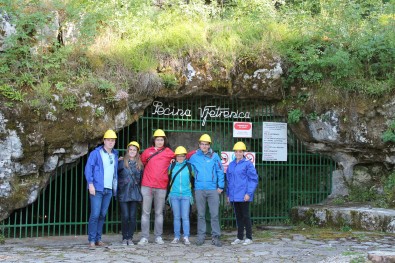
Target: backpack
(191, 175)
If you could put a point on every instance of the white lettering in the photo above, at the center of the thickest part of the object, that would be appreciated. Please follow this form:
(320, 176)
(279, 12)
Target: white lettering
(205, 112)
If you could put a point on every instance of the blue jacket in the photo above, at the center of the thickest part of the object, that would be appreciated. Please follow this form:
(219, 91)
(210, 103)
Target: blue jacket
(129, 180)
(209, 172)
(94, 171)
(242, 179)
(182, 184)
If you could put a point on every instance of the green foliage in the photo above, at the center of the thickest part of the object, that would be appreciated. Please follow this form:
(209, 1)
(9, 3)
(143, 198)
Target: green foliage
(389, 134)
(367, 194)
(69, 103)
(169, 80)
(99, 112)
(10, 93)
(346, 45)
(294, 116)
(2, 239)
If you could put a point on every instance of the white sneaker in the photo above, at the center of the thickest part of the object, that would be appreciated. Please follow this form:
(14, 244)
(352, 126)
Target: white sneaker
(159, 241)
(143, 241)
(175, 241)
(237, 241)
(125, 242)
(130, 242)
(186, 241)
(247, 242)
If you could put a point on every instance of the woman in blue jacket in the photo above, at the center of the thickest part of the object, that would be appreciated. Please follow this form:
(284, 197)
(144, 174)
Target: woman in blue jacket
(130, 170)
(180, 194)
(242, 181)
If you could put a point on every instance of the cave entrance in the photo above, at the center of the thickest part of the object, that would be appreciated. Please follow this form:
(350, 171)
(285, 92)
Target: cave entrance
(305, 178)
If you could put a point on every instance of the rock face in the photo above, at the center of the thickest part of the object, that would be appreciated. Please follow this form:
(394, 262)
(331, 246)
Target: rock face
(34, 143)
(357, 217)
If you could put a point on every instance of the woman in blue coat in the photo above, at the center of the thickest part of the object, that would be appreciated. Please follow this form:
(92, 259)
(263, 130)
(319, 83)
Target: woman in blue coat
(242, 181)
(130, 170)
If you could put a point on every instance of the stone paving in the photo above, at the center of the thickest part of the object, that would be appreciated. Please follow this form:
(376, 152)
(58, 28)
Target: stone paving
(269, 246)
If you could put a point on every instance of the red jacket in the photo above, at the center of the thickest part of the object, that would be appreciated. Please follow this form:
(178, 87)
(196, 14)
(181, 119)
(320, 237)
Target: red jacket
(155, 170)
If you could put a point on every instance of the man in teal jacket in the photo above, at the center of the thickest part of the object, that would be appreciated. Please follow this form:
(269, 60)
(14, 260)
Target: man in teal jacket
(209, 184)
(101, 176)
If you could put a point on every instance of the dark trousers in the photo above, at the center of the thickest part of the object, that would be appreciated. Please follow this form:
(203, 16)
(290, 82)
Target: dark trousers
(243, 220)
(128, 219)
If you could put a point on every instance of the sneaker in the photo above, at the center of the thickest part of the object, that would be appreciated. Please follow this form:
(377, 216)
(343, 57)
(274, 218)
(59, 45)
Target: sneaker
(92, 245)
(159, 241)
(130, 242)
(199, 242)
(125, 242)
(143, 241)
(216, 242)
(247, 242)
(175, 241)
(186, 241)
(237, 241)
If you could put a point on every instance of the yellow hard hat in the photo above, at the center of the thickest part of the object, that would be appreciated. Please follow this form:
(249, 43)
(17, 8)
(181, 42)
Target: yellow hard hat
(239, 146)
(180, 150)
(110, 134)
(159, 133)
(134, 143)
(205, 138)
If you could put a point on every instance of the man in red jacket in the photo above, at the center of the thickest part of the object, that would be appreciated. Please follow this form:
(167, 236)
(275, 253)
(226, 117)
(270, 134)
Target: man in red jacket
(156, 160)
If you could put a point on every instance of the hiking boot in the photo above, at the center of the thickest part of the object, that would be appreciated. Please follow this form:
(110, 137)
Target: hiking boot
(186, 241)
(247, 242)
(159, 241)
(236, 242)
(100, 243)
(175, 241)
(216, 242)
(92, 245)
(143, 241)
(199, 242)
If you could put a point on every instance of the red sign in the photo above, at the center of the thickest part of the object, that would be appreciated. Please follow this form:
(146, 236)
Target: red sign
(242, 126)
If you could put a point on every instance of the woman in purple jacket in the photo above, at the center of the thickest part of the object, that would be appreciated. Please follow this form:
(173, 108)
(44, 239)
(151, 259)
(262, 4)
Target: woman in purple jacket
(242, 181)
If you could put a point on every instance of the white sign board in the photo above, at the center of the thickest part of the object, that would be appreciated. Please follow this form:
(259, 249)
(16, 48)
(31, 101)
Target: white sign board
(274, 141)
(242, 130)
(227, 157)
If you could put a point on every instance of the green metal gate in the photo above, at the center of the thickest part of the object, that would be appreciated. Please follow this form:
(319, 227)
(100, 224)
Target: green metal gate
(305, 178)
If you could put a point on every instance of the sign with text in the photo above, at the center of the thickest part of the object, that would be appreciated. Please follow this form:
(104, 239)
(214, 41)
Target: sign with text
(274, 141)
(242, 130)
(227, 157)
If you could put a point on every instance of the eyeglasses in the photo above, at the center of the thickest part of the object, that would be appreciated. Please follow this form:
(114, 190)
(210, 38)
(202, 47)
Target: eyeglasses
(111, 158)
(183, 156)
(205, 144)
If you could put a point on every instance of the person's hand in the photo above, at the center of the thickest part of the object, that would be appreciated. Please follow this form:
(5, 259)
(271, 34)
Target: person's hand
(172, 161)
(120, 158)
(92, 189)
(219, 190)
(246, 197)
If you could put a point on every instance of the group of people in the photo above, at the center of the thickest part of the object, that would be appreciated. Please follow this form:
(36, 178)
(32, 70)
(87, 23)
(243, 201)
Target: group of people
(159, 175)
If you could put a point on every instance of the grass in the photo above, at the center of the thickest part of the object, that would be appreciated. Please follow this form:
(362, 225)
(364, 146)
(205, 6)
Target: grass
(346, 47)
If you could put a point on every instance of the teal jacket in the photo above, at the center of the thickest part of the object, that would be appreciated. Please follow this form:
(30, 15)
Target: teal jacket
(182, 184)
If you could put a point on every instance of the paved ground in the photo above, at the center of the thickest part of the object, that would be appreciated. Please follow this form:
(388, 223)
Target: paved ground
(272, 245)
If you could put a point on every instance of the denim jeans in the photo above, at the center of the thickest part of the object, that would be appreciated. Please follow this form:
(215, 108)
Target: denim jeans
(128, 219)
(212, 198)
(99, 206)
(158, 197)
(180, 206)
(243, 219)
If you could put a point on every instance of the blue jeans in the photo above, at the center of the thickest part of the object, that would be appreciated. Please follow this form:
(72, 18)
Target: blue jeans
(99, 206)
(128, 216)
(180, 206)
